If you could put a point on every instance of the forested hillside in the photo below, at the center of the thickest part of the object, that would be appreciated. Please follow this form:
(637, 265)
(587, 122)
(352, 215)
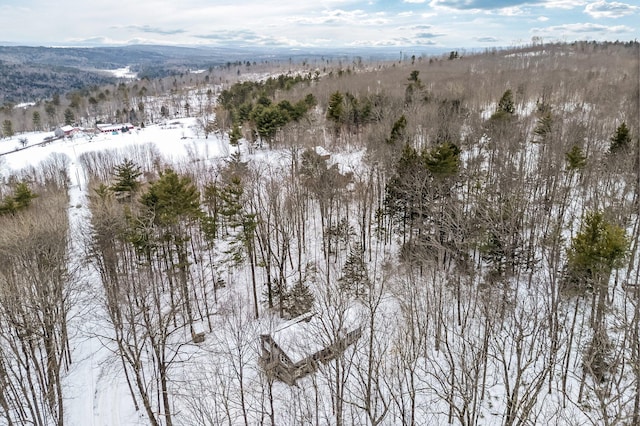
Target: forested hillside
(476, 217)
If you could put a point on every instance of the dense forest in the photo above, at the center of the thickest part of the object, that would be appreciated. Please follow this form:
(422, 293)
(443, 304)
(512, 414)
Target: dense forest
(477, 216)
(30, 74)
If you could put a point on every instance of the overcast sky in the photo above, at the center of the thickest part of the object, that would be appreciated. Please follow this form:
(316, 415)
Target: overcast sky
(322, 23)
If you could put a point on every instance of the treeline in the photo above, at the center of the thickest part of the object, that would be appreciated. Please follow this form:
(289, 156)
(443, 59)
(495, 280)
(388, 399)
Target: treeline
(29, 83)
(37, 284)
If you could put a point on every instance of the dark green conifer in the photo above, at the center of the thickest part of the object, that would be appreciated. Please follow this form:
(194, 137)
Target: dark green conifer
(355, 277)
(576, 160)
(621, 140)
(126, 175)
(299, 300)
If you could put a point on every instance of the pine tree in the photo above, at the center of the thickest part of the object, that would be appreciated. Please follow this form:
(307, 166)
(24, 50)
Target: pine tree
(444, 160)
(235, 135)
(544, 126)
(20, 199)
(7, 128)
(621, 140)
(22, 195)
(506, 107)
(69, 118)
(506, 103)
(576, 160)
(173, 204)
(299, 300)
(37, 121)
(126, 175)
(335, 111)
(595, 251)
(405, 192)
(8, 206)
(493, 252)
(172, 198)
(398, 130)
(268, 121)
(355, 277)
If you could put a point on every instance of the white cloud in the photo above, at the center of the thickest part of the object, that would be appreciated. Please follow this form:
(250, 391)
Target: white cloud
(583, 28)
(563, 4)
(320, 23)
(511, 11)
(339, 16)
(603, 9)
(414, 27)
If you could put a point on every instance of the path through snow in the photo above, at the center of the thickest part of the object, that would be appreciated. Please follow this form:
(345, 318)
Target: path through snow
(96, 392)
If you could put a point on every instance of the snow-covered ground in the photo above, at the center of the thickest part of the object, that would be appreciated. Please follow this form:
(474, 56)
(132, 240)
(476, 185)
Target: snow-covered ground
(96, 392)
(124, 72)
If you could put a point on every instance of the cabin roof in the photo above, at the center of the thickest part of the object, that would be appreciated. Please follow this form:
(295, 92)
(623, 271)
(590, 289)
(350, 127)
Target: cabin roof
(308, 334)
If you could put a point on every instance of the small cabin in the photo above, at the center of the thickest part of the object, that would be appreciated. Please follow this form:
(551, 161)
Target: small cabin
(295, 348)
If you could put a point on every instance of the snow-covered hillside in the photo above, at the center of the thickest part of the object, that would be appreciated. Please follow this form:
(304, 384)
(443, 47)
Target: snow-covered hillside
(453, 247)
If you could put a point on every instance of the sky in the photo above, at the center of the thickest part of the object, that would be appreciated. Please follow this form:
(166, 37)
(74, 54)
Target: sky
(316, 23)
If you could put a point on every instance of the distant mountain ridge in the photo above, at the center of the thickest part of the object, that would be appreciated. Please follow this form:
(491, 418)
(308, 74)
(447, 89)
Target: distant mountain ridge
(29, 73)
(32, 73)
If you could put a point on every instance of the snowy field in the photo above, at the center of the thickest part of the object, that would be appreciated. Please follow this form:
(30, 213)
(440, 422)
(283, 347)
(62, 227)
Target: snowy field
(97, 392)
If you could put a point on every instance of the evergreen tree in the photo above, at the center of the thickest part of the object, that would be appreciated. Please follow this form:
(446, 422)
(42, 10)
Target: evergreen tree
(398, 130)
(7, 128)
(621, 140)
(444, 160)
(231, 204)
(544, 126)
(126, 175)
(37, 121)
(506, 103)
(355, 277)
(506, 107)
(172, 198)
(20, 199)
(576, 160)
(335, 111)
(493, 252)
(405, 191)
(235, 135)
(7, 206)
(22, 195)
(50, 109)
(595, 251)
(173, 203)
(310, 100)
(299, 300)
(268, 121)
(243, 112)
(69, 118)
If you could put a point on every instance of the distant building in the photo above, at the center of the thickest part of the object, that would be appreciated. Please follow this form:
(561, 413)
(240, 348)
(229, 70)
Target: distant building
(66, 131)
(294, 349)
(110, 128)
